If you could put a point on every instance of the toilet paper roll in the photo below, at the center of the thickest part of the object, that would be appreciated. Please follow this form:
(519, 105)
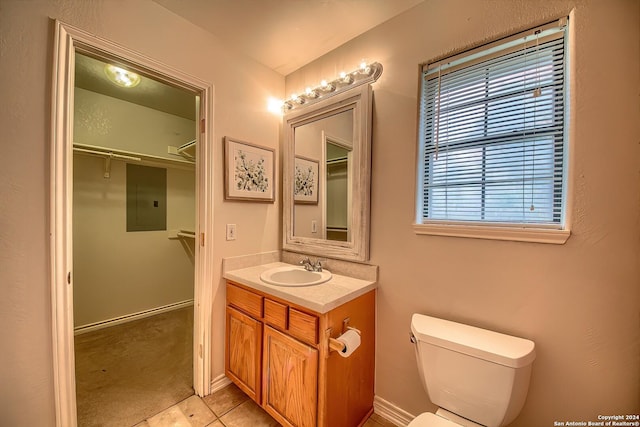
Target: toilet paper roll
(351, 341)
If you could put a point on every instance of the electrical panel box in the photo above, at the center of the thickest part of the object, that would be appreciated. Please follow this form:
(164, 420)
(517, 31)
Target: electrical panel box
(146, 198)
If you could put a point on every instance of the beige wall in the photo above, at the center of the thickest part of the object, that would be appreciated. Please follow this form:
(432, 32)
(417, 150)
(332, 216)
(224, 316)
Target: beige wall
(308, 144)
(109, 122)
(116, 272)
(242, 88)
(578, 301)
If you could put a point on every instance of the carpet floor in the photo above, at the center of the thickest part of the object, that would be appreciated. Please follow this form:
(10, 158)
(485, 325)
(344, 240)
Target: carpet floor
(129, 372)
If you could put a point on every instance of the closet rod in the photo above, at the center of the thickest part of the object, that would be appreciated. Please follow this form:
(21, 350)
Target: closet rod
(191, 235)
(138, 156)
(107, 154)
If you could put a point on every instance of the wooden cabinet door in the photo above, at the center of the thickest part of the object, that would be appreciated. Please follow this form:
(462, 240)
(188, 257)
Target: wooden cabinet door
(290, 380)
(243, 352)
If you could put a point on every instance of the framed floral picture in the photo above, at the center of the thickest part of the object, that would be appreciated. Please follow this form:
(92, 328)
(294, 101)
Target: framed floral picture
(305, 183)
(249, 171)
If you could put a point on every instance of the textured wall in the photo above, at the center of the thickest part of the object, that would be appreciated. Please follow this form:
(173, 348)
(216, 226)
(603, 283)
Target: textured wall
(309, 144)
(578, 301)
(115, 272)
(109, 122)
(242, 88)
(118, 272)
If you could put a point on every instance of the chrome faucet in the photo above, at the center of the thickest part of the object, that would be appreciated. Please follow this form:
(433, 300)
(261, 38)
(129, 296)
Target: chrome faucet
(306, 263)
(318, 265)
(310, 265)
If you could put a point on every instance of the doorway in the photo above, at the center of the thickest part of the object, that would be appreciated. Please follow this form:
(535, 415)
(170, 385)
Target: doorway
(70, 42)
(133, 243)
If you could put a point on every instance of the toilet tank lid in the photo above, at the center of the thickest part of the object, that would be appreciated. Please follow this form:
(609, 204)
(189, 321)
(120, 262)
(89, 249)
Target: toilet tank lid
(477, 342)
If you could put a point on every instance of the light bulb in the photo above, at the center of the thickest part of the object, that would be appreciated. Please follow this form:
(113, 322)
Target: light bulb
(311, 93)
(298, 99)
(346, 78)
(121, 77)
(365, 68)
(326, 86)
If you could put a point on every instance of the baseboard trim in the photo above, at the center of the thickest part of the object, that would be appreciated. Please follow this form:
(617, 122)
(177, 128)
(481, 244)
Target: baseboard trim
(219, 382)
(391, 412)
(130, 317)
(383, 408)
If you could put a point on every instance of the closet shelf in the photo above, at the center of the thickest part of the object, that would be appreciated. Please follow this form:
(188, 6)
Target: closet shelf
(130, 157)
(188, 150)
(183, 234)
(338, 161)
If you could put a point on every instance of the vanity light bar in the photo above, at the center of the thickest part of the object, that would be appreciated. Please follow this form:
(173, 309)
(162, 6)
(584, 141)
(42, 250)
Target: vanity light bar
(366, 73)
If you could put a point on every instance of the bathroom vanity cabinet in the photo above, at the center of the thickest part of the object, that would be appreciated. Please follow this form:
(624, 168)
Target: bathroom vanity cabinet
(278, 353)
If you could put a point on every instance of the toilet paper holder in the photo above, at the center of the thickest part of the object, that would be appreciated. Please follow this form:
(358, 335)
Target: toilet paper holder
(336, 345)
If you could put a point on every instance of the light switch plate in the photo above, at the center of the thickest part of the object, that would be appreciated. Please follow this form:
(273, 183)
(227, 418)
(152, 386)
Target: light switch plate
(231, 232)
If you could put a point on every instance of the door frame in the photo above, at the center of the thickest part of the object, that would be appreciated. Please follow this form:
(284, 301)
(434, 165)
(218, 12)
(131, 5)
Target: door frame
(67, 41)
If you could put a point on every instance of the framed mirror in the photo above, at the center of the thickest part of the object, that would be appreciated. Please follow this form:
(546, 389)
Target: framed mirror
(327, 176)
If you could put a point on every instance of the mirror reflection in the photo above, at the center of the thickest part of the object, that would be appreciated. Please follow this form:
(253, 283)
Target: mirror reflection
(326, 176)
(323, 160)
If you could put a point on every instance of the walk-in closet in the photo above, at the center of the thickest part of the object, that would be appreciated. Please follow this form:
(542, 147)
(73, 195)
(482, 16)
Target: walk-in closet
(134, 218)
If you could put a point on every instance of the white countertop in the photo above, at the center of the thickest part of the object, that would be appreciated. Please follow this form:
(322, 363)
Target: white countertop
(320, 298)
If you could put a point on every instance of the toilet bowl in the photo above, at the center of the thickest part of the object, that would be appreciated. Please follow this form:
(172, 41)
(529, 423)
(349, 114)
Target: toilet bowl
(475, 376)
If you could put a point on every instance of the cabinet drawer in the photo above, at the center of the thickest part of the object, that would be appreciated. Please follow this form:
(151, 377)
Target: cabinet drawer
(246, 301)
(275, 313)
(303, 326)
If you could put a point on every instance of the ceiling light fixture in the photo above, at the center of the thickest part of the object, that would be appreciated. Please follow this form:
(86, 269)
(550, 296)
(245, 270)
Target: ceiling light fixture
(366, 73)
(121, 77)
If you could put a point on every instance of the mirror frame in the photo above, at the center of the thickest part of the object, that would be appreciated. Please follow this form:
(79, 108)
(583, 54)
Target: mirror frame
(359, 100)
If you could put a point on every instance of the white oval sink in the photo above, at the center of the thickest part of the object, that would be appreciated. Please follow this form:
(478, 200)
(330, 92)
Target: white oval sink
(294, 276)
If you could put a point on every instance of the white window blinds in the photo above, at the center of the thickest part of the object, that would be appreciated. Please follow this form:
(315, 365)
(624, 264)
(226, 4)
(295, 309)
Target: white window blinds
(493, 133)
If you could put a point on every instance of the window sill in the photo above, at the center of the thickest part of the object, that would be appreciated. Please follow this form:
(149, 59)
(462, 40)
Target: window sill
(492, 232)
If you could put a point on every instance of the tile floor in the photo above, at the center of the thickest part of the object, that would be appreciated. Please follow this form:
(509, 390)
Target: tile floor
(228, 407)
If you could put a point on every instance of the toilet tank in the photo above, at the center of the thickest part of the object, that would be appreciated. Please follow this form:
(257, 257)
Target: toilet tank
(475, 373)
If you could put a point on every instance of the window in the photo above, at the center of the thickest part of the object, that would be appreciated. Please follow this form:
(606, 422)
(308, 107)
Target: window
(492, 138)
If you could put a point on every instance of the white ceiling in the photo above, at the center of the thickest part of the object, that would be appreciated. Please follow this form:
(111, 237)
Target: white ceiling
(89, 75)
(284, 35)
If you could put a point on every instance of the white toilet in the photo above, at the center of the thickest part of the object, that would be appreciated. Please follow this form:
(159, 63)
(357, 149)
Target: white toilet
(476, 377)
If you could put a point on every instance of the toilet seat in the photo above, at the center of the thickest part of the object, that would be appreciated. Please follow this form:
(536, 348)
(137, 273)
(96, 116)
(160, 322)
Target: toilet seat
(428, 419)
